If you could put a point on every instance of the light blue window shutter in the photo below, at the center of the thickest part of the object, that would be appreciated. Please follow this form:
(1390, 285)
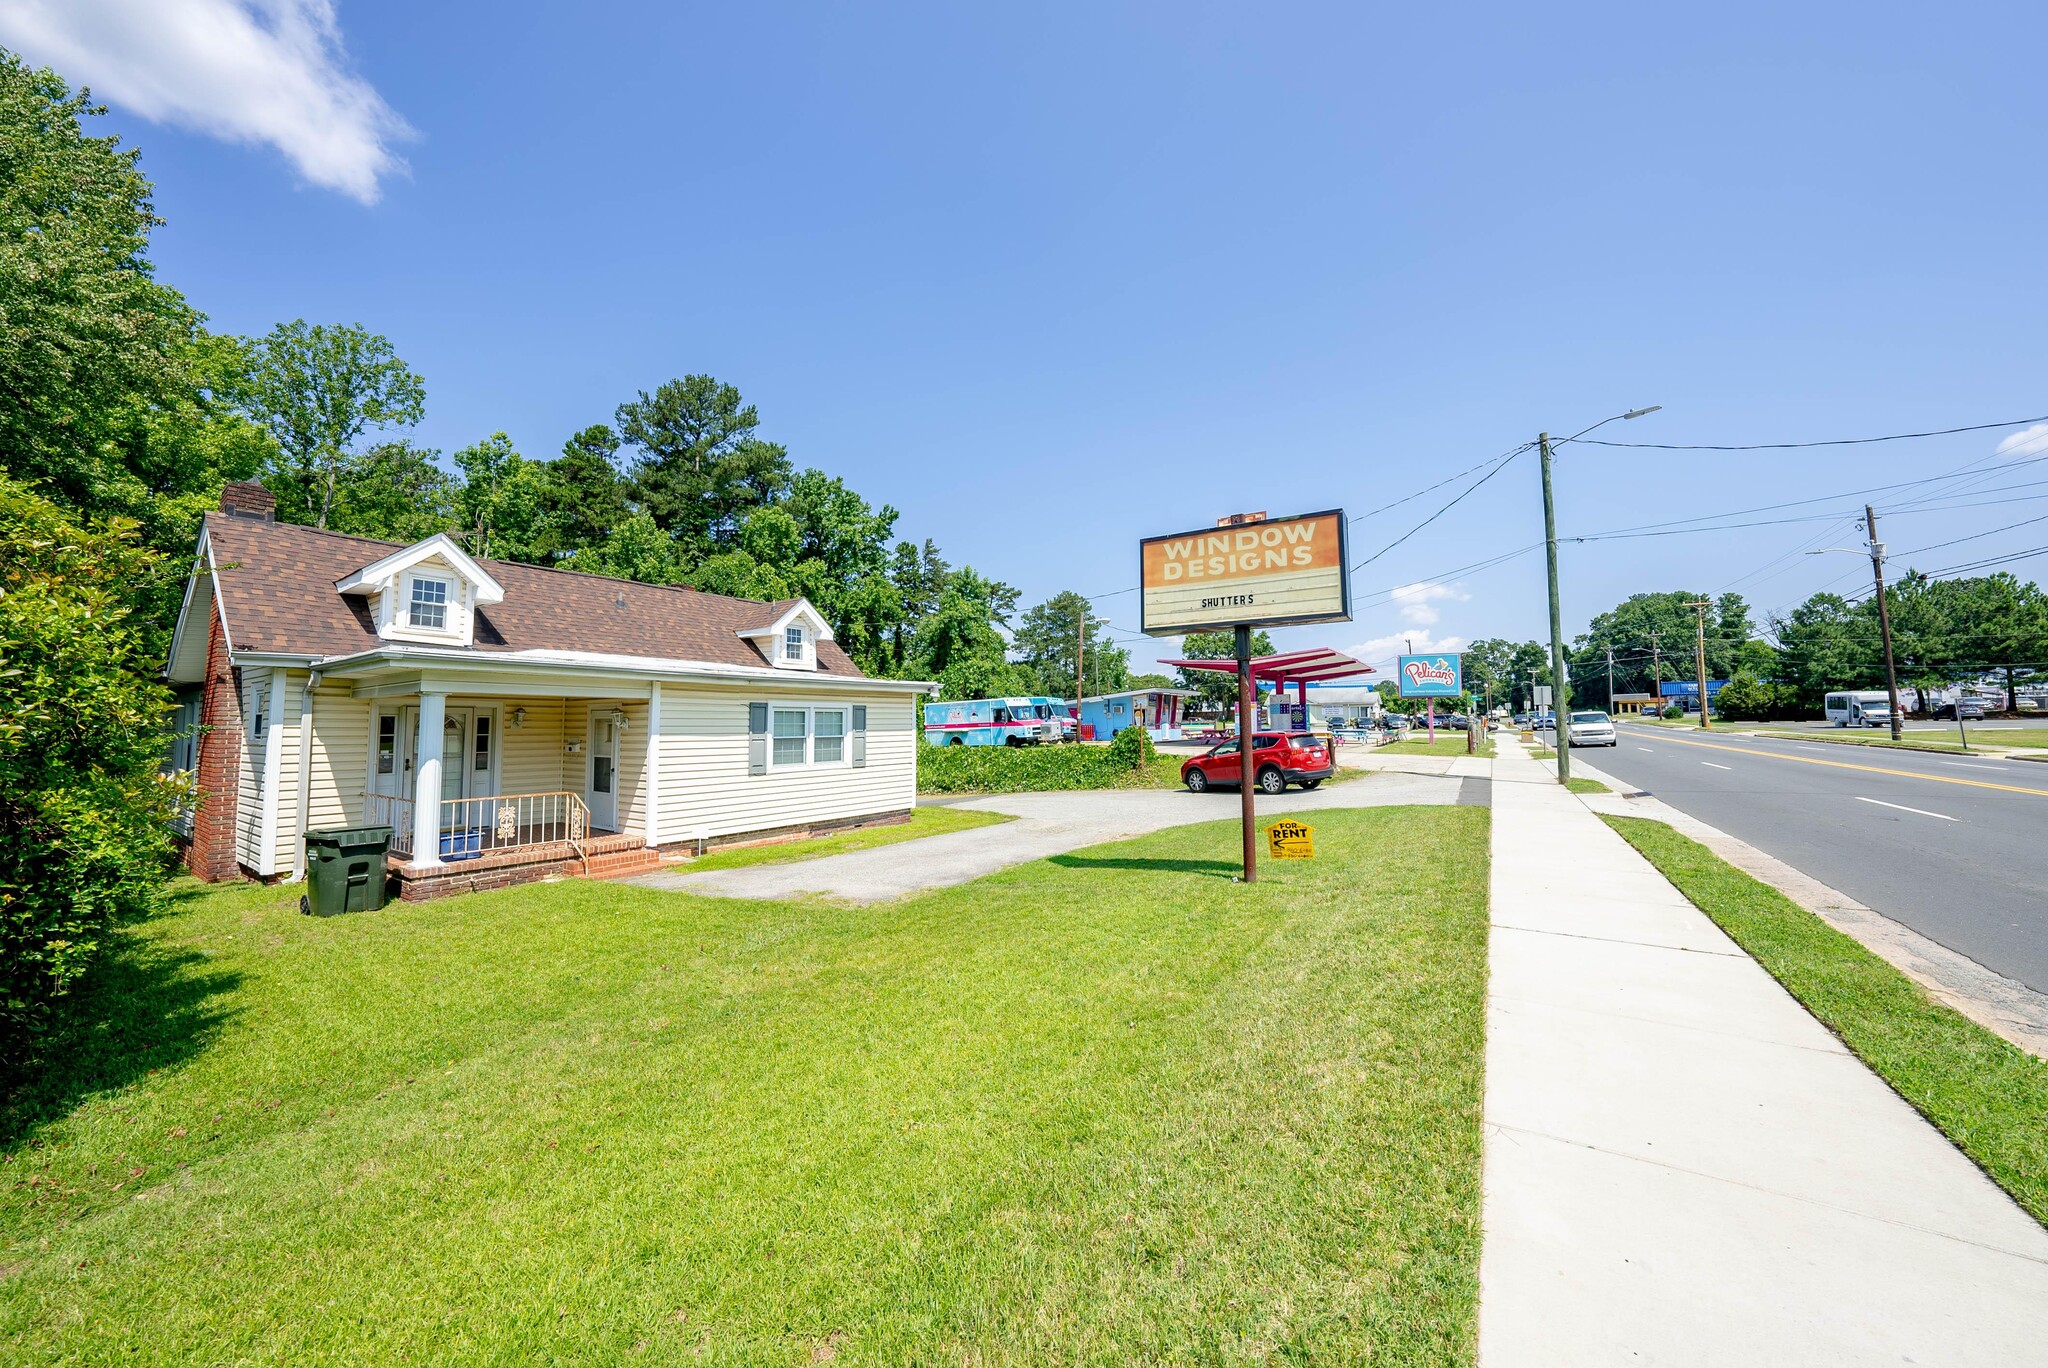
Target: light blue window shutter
(860, 735)
(757, 738)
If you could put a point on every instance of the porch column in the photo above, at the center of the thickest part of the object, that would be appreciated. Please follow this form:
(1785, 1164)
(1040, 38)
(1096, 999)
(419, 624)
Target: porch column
(426, 781)
(650, 770)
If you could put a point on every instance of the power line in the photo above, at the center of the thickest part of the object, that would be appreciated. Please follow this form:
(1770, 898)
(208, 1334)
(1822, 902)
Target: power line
(1498, 467)
(1797, 446)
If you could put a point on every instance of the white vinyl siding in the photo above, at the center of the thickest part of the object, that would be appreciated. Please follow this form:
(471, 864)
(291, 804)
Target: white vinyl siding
(704, 778)
(249, 797)
(341, 758)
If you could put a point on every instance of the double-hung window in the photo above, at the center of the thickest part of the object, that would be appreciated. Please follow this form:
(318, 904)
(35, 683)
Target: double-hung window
(792, 643)
(807, 736)
(792, 735)
(828, 736)
(429, 604)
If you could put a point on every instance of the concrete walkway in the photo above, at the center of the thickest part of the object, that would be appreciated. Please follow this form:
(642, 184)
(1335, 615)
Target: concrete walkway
(1047, 824)
(1683, 1166)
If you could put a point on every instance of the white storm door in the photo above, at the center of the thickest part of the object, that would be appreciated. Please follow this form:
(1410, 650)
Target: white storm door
(601, 780)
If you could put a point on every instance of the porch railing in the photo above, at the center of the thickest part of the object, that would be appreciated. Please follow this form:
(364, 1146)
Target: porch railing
(470, 827)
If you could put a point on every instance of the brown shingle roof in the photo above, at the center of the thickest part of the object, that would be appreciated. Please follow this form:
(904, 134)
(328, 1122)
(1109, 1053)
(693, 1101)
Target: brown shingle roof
(277, 594)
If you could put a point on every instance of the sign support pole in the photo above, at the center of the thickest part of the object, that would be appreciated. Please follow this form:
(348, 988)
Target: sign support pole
(1245, 728)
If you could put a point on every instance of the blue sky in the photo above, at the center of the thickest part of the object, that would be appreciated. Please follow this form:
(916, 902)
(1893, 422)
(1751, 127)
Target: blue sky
(1052, 278)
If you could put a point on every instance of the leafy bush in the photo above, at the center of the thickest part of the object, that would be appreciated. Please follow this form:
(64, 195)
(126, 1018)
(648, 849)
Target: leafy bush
(1674, 713)
(83, 812)
(1036, 769)
(1132, 748)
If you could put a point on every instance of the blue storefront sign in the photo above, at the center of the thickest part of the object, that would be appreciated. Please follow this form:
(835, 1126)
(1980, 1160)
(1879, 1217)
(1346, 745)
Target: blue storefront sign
(1686, 688)
(1431, 676)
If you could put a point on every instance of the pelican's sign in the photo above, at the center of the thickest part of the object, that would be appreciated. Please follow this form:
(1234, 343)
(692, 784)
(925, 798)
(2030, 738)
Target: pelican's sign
(1431, 676)
(1272, 573)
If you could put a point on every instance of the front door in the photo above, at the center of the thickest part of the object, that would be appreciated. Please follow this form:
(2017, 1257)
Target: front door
(602, 782)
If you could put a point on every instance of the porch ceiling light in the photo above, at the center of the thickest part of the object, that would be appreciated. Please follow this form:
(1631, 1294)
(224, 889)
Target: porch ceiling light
(619, 718)
(518, 718)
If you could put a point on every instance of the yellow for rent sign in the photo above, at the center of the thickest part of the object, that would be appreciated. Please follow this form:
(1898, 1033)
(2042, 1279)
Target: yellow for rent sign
(1290, 840)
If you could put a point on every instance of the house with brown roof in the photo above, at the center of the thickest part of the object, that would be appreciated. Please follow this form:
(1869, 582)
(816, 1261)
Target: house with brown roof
(507, 721)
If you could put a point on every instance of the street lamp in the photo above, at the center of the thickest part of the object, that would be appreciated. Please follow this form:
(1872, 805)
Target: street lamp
(1560, 688)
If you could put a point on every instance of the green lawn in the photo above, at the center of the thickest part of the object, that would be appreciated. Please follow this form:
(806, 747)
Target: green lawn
(1988, 1096)
(1446, 743)
(924, 821)
(1578, 785)
(1106, 1108)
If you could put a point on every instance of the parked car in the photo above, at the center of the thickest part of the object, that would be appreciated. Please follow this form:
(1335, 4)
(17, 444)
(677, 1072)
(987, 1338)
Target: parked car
(1592, 729)
(1278, 759)
(1545, 722)
(1521, 719)
(1971, 709)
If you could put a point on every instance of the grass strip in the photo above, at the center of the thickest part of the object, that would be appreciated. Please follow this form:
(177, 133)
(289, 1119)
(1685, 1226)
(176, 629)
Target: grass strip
(924, 821)
(1452, 743)
(1984, 1093)
(1578, 785)
(1110, 1107)
(1938, 745)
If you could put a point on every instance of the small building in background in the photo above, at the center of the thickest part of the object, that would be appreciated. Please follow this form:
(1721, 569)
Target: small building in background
(1345, 705)
(1635, 704)
(1157, 710)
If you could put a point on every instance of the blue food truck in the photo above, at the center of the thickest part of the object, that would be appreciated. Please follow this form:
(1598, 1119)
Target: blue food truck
(994, 722)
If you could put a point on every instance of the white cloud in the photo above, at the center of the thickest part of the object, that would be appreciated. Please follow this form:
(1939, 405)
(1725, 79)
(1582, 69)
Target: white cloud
(2032, 442)
(1381, 651)
(1417, 601)
(251, 71)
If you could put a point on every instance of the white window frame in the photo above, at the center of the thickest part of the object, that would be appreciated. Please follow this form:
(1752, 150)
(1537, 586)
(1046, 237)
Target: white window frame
(451, 599)
(793, 642)
(810, 713)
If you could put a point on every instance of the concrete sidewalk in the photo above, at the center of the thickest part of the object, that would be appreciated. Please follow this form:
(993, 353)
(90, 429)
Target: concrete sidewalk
(1683, 1166)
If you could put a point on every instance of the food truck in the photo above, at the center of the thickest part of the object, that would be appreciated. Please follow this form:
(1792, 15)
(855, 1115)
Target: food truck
(991, 722)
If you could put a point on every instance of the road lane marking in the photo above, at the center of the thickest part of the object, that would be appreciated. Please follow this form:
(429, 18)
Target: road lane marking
(1923, 812)
(1711, 765)
(1976, 764)
(1646, 750)
(1867, 769)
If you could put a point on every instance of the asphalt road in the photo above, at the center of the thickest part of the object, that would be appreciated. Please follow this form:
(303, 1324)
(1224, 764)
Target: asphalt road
(1954, 847)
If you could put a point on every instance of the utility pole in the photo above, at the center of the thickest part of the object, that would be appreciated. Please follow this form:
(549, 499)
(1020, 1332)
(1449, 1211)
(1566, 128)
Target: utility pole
(1610, 681)
(1656, 676)
(1080, 655)
(1560, 692)
(1884, 622)
(1699, 607)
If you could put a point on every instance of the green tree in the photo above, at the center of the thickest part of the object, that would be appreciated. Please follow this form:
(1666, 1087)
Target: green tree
(397, 492)
(83, 814)
(500, 506)
(1047, 638)
(1826, 644)
(316, 389)
(1213, 689)
(583, 498)
(700, 467)
(636, 550)
(87, 334)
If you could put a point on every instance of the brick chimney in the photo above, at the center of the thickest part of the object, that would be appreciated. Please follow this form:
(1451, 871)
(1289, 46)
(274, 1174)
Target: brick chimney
(247, 499)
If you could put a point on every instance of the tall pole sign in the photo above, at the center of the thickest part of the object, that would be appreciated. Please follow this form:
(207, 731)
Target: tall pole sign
(1248, 571)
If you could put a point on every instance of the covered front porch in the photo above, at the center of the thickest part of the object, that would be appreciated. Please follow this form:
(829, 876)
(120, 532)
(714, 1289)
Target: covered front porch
(524, 783)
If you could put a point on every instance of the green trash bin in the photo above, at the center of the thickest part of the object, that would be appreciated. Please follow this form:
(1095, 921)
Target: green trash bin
(345, 870)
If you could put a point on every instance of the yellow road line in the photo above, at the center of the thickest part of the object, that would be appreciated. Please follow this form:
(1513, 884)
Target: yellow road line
(1868, 769)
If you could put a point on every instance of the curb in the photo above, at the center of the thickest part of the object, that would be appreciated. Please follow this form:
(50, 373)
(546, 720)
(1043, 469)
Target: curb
(2003, 1006)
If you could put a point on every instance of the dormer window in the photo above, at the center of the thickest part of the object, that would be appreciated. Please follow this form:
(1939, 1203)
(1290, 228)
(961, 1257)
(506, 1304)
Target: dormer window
(428, 592)
(429, 607)
(790, 639)
(793, 643)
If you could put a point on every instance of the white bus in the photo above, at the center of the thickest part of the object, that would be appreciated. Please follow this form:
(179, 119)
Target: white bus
(1859, 708)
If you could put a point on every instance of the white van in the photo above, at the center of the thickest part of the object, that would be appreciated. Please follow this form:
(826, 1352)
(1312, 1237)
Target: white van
(1865, 708)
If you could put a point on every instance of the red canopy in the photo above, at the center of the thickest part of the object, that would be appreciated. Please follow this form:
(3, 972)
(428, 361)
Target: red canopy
(1320, 663)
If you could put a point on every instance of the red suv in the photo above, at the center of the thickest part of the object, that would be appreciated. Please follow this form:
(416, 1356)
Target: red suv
(1278, 760)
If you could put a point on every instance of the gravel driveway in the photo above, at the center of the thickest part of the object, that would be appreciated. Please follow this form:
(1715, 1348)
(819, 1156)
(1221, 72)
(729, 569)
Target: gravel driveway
(1047, 824)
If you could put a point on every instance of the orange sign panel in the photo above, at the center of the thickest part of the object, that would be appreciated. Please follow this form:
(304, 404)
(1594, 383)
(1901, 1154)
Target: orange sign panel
(1285, 570)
